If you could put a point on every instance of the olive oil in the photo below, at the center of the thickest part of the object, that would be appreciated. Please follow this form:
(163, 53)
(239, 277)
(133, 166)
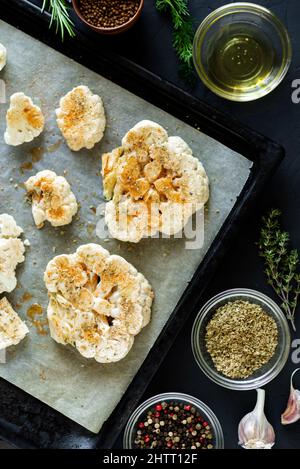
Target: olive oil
(240, 58)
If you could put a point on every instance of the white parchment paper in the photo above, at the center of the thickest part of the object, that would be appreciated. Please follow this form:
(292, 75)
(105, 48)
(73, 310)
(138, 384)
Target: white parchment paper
(81, 389)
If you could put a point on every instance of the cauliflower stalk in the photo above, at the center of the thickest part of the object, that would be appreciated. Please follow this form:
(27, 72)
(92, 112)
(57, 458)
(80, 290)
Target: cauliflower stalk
(24, 120)
(81, 118)
(153, 184)
(52, 199)
(12, 328)
(98, 302)
(11, 252)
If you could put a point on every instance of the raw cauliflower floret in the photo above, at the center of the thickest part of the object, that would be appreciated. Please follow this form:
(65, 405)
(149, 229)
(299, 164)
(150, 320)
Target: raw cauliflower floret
(12, 328)
(52, 199)
(81, 118)
(3, 55)
(11, 252)
(153, 184)
(98, 302)
(24, 120)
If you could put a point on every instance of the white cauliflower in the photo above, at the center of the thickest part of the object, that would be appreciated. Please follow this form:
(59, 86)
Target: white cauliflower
(98, 302)
(12, 328)
(3, 55)
(52, 199)
(24, 120)
(11, 252)
(81, 118)
(153, 182)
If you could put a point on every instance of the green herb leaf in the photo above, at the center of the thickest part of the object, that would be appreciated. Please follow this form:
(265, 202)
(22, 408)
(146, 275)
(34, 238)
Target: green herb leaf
(281, 263)
(183, 34)
(60, 17)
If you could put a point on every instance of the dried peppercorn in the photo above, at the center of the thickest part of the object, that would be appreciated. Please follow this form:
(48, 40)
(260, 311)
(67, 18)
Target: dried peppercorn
(157, 428)
(108, 13)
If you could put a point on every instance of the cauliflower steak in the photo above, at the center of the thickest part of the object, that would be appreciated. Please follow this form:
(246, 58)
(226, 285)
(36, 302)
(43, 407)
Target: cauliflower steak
(98, 302)
(52, 199)
(11, 252)
(81, 118)
(12, 328)
(153, 184)
(24, 120)
(3, 55)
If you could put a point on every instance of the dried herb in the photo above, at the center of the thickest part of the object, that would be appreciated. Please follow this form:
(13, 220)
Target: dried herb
(281, 263)
(60, 16)
(183, 34)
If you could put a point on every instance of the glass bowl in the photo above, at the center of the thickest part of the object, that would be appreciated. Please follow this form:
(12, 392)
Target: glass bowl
(129, 434)
(267, 372)
(242, 51)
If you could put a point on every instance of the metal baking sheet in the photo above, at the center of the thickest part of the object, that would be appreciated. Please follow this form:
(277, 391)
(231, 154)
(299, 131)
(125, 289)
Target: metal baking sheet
(82, 389)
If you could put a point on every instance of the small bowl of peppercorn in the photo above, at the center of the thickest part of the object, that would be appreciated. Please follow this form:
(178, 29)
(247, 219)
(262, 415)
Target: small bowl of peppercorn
(173, 421)
(108, 16)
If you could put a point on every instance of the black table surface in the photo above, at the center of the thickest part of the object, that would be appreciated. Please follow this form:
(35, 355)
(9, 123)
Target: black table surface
(149, 44)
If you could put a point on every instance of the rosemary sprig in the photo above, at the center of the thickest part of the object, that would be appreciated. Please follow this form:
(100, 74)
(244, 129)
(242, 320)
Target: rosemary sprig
(183, 34)
(60, 16)
(281, 263)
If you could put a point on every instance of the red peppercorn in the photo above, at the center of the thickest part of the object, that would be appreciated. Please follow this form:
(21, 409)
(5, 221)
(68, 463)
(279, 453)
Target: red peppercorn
(141, 425)
(146, 439)
(158, 407)
(205, 424)
(187, 407)
(157, 415)
(169, 444)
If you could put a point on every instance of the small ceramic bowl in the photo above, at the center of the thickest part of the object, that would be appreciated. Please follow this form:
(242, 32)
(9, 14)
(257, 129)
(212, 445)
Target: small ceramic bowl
(109, 31)
(267, 372)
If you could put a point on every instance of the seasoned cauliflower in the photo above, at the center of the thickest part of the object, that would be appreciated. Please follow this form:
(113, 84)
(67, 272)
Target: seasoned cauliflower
(11, 252)
(81, 118)
(24, 120)
(52, 199)
(2, 56)
(153, 184)
(12, 328)
(98, 302)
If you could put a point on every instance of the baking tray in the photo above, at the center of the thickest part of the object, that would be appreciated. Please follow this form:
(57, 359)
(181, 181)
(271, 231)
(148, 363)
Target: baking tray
(25, 420)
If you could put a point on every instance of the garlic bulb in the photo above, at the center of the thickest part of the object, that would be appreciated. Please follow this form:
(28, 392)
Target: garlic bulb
(255, 432)
(292, 412)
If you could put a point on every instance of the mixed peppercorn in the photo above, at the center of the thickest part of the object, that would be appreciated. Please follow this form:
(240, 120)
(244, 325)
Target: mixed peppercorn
(108, 13)
(173, 425)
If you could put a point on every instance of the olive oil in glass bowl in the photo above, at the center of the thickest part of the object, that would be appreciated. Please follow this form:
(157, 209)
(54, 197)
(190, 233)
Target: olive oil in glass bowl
(242, 51)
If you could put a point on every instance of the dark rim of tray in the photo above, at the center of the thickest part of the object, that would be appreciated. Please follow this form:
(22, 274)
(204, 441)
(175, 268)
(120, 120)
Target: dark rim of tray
(24, 420)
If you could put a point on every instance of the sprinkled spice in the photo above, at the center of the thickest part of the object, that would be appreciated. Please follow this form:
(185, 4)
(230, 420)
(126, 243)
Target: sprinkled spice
(108, 13)
(173, 425)
(240, 338)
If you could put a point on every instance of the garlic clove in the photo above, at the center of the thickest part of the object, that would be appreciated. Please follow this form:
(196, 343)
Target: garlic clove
(292, 412)
(255, 432)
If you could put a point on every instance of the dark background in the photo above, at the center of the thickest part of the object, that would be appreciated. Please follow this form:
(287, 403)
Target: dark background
(149, 44)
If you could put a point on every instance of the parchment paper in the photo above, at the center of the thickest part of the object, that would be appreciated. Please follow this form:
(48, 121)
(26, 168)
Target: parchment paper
(81, 389)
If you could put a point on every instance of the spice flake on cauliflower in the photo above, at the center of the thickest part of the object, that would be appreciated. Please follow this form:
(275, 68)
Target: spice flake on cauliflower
(98, 302)
(52, 199)
(11, 252)
(12, 328)
(153, 184)
(24, 120)
(81, 118)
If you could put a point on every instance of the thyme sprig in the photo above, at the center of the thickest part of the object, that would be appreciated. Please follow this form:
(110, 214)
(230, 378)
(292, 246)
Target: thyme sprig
(281, 263)
(60, 17)
(183, 34)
